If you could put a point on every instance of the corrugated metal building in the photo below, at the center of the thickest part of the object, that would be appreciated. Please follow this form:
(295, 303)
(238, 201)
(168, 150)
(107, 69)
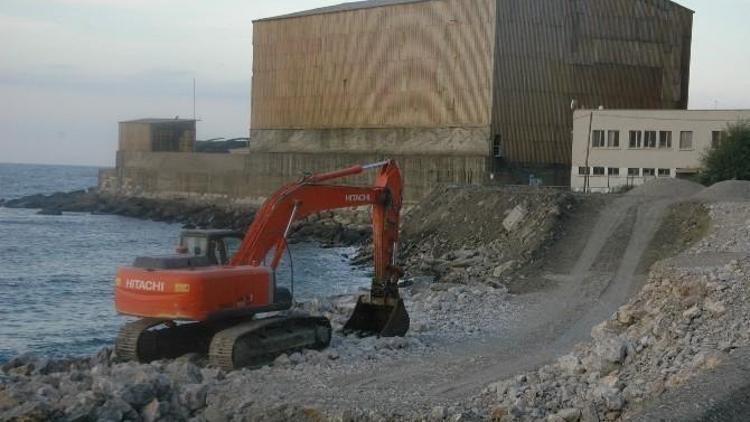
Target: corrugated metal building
(484, 84)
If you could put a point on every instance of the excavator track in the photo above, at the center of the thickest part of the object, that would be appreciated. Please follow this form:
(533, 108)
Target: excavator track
(150, 339)
(255, 343)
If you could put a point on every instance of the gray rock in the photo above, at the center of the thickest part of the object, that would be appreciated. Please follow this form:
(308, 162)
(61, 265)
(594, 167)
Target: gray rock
(611, 397)
(138, 395)
(151, 412)
(296, 358)
(83, 408)
(503, 268)
(193, 396)
(102, 357)
(569, 415)
(184, 372)
(28, 411)
(215, 414)
(570, 364)
(438, 413)
(608, 354)
(115, 409)
(692, 313)
(282, 360)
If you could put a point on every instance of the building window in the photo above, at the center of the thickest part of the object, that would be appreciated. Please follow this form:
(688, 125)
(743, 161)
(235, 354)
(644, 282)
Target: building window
(665, 172)
(613, 139)
(649, 139)
(649, 172)
(686, 140)
(716, 137)
(636, 137)
(597, 139)
(613, 171)
(598, 171)
(634, 172)
(583, 171)
(665, 139)
(497, 147)
(165, 140)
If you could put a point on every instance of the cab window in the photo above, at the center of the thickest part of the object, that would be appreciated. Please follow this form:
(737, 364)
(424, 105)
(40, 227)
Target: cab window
(196, 245)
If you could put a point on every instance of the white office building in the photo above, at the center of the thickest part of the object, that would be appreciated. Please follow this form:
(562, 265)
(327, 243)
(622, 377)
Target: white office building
(613, 149)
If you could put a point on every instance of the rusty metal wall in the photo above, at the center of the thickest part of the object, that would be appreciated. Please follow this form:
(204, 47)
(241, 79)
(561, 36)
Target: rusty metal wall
(615, 53)
(425, 64)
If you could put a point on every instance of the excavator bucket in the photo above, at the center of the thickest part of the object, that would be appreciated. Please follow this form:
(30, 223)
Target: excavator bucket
(382, 320)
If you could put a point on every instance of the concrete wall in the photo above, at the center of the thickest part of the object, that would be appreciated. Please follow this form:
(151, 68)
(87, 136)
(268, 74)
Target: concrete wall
(679, 161)
(251, 178)
(405, 141)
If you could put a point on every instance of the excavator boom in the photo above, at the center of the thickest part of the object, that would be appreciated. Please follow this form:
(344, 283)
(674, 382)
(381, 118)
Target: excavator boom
(381, 313)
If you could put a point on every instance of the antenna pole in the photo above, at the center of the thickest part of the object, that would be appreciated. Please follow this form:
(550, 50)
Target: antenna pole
(193, 98)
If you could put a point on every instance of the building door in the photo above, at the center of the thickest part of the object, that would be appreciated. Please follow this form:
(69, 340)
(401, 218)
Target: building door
(497, 153)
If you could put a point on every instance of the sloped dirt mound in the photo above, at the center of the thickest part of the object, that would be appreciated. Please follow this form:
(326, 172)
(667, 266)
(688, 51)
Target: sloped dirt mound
(667, 187)
(689, 318)
(727, 191)
(463, 234)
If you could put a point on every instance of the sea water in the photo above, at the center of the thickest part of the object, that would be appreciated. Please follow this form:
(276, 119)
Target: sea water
(56, 272)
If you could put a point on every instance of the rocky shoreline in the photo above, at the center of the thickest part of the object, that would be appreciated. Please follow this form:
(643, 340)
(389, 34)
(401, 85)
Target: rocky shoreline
(343, 228)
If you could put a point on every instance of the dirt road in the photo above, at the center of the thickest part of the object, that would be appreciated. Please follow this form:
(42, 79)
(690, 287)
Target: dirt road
(545, 324)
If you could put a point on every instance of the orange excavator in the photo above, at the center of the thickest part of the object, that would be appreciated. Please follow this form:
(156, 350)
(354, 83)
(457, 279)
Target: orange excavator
(203, 300)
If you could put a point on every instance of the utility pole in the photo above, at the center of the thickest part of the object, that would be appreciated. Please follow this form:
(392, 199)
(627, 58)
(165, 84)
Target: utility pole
(588, 152)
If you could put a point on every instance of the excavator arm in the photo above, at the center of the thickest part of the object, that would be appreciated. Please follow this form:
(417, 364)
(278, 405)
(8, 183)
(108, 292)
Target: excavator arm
(383, 311)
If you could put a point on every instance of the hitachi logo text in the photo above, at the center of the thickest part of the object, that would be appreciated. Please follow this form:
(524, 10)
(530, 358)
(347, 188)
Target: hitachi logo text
(147, 285)
(358, 197)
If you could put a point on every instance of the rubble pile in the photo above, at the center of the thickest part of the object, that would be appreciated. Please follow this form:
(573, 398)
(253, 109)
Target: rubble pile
(500, 231)
(691, 314)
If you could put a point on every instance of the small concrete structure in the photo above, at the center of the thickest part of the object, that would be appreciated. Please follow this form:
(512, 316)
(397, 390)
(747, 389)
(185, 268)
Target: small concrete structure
(157, 135)
(614, 149)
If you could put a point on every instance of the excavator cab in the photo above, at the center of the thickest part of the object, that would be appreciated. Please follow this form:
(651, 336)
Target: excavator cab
(196, 248)
(217, 245)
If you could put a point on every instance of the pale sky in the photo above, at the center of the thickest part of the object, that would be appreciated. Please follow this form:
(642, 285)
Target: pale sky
(71, 69)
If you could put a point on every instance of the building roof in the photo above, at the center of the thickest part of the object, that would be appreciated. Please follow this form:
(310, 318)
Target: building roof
(151, 120)
(343, 7)
(369, 4)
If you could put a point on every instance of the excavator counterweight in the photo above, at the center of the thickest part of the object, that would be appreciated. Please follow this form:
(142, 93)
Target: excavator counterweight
(207, 298)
